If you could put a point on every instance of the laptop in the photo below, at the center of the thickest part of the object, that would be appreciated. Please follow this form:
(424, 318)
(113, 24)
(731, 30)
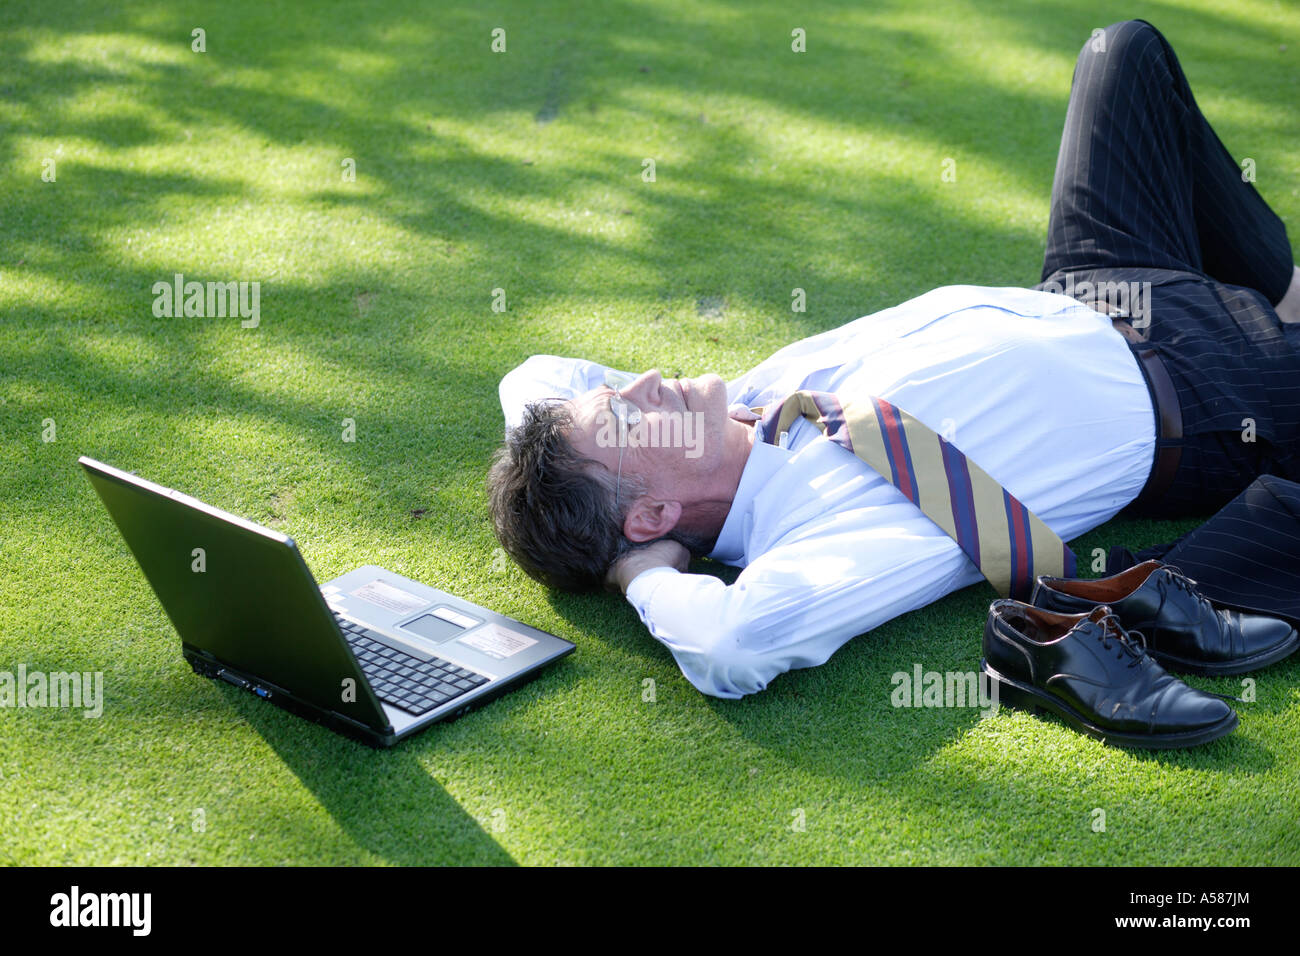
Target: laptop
(372, 654)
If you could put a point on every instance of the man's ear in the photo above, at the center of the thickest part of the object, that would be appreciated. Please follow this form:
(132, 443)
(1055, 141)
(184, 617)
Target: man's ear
(649, 519)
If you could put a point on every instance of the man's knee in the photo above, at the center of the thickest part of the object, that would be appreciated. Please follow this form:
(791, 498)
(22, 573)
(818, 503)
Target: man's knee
(1132, 43)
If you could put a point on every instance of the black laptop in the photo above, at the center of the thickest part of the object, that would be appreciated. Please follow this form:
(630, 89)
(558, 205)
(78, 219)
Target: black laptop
(371, 654)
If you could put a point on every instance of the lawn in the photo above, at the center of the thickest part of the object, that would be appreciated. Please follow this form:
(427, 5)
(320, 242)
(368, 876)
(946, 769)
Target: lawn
(522, 171)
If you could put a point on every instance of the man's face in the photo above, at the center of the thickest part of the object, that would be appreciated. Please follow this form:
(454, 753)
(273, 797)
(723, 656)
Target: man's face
(677, 446)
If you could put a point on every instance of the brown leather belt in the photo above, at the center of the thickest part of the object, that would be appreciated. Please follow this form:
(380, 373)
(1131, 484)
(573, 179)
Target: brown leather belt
(1168, 413)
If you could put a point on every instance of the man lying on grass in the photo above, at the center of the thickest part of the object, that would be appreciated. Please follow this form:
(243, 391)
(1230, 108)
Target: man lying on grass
(620, 479)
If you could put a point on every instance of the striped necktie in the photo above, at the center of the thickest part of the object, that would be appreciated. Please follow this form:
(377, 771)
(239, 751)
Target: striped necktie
(1008, 542)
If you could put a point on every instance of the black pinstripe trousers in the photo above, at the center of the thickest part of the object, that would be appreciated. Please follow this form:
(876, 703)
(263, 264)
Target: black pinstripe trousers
(1146, 193)
(1246, 556)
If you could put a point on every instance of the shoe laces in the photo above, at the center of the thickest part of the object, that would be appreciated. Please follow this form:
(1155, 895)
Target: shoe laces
(1181, 580)
(1132, 642)
(1183, 583)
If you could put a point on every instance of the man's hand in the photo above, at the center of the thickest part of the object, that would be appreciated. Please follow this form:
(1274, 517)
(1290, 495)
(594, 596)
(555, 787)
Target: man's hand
(661, 553)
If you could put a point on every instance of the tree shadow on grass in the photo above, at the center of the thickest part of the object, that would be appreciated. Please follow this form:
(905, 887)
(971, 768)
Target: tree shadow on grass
(717, 206)
(435, 123)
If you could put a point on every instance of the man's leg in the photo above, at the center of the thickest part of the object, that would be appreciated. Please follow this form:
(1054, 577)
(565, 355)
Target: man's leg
(1146, 194)
(1143, 181)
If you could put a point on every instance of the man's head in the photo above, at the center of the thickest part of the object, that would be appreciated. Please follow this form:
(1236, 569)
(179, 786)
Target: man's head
(553, 484)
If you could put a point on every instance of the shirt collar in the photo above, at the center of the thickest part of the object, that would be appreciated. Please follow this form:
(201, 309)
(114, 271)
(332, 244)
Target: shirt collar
(763, 462)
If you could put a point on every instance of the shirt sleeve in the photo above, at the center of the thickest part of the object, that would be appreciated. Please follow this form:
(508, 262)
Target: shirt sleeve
(795, 605)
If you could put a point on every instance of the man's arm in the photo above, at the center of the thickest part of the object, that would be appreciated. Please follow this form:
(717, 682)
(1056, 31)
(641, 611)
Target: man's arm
(793, 606)
(663, 553)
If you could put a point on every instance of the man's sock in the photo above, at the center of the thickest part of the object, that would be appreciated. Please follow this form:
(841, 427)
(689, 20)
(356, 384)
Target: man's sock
(1288, 310)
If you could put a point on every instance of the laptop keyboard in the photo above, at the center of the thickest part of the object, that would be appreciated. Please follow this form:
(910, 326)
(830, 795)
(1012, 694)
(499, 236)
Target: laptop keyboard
(404, 680)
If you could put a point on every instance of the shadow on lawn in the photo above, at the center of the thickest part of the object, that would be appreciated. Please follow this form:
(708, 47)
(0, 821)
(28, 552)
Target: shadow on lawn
(408, 86)
(838, 720)
(711, 200)
(445, 186)
(566, 69)
(385, 800)
(812, 722)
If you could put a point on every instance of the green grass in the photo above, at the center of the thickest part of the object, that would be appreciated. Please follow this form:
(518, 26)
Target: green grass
(522, 172)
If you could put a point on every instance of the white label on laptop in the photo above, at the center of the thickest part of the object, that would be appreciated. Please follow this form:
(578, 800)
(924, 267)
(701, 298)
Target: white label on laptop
(496, 641)
(385, 595)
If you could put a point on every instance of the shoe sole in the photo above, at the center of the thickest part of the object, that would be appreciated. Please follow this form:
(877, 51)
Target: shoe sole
(1271, 656)
(1030, 698)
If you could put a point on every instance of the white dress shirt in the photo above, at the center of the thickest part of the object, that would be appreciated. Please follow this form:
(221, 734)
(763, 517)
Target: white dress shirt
(1038, 389)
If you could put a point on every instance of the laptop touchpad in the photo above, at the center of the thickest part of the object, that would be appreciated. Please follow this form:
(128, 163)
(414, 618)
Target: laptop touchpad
(441, 625)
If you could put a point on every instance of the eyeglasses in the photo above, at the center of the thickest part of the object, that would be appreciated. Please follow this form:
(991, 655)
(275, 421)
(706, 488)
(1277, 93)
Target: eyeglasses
(626, 414)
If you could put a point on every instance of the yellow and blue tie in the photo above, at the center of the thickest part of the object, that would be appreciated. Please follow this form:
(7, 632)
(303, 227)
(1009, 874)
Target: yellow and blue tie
(1008, 542)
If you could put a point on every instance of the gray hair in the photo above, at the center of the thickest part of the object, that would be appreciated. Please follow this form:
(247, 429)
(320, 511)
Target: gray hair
(552, 509)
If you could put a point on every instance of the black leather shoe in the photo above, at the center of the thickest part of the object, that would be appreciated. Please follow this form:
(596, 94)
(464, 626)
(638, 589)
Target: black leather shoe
(1098, 678)
(1183, 630)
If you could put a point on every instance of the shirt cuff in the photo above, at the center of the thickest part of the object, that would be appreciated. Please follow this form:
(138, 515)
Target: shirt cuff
(644, 584)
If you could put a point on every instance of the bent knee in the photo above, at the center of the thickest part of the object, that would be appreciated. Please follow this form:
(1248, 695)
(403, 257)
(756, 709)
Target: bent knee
(1131, 42)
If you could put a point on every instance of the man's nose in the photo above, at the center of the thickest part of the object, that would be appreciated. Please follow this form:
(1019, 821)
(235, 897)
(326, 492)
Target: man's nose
(645, 390)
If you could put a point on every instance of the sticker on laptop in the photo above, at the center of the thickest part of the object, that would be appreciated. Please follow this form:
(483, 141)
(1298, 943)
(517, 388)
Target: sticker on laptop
(496, 641)
(385, 595)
